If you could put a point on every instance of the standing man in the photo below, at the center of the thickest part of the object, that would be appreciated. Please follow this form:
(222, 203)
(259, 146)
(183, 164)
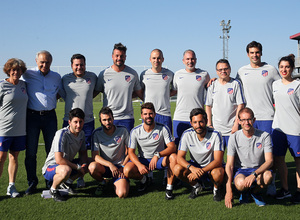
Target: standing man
(157, 85)
(190, 84)
(111, 142)
(118, 83)
(60, 167)
(206, 152)
(156, 150)
(250, 150)
(224, 100)
(257, 79)
(42, 88)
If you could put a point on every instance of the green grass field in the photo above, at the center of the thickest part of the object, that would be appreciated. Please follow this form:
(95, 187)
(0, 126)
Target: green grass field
(150, 205)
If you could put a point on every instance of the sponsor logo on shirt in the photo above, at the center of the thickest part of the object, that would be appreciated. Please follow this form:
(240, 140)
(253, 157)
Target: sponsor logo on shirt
(192, 145)
(208, 145)
(258, 145)
(155, 136)
(88, 81)
(127, 78)
(165, 76)
(148, 78)
(264, 73)
(198, 78)
(181, 77)
(290, 91)
(230, 90)
(246, 74)
(23, 90)
(118, 139)
(109, 80)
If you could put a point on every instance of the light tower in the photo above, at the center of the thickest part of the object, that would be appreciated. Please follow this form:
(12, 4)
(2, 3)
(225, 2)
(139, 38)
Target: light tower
(225, 28)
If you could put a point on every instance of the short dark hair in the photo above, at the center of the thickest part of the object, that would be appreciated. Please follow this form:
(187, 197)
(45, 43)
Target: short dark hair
(105, 111)
(290, 58)
(223, 61)
(147, 105)
(159, 51)
(119, 46)
(77, 56)
(246, 110)
(198, 111)
(14, 63)
(254, 44)
(76, 112)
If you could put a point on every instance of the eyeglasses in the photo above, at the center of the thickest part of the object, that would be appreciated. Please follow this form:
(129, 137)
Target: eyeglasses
(221, 70)
(246, 119)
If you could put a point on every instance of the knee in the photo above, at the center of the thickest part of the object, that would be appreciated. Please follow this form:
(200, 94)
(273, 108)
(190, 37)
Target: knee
(127, 169)
(268, 177)
(121, 193)
(173, 158)
(65, 170)
(239, 184)
(178, 170)
(92, 167)
(217, 174)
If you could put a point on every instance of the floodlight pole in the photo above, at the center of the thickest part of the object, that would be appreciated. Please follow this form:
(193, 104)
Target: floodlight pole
(225, 28)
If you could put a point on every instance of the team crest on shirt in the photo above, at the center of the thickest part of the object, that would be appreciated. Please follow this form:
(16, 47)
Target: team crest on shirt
(258, 145)
(155, 136)
(208, 146)
(127, 78)
(88, 81)
(264, 73)
(23, 90)
(118, 139)
(230, 90)
(290, 91)
(198, 78)
(165, 76)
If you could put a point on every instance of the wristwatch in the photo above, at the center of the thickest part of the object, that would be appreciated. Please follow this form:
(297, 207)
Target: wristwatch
(78, 167)
(188, 166)
(255, 174)
(157, 154)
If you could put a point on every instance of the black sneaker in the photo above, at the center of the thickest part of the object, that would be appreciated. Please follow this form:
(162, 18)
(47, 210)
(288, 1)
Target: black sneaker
(31, 189)
(218, 194)
(67, 186)
(169, 194)
(296, 198)
(56, 196)
(195, 192)
(99, 190)
(143, 186)
(282, 194)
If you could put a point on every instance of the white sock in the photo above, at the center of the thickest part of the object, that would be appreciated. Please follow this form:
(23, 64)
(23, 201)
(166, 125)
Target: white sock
(11, 183)
(169, 187)
(52, 189)
(196, 185)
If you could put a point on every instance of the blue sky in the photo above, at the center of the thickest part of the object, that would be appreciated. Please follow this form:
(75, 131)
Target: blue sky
(92, 28)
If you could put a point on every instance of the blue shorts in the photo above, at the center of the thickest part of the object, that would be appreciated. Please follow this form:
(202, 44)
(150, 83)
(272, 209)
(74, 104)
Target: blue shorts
(179, 128)
(88, 129)
(17, 143)
(246, 172)
(108, 174)
(147, 161)
(282, 142)
(165, 120)
(264, 125)
(128, 123)
(205, 177)
(225, 141)
(50, 172)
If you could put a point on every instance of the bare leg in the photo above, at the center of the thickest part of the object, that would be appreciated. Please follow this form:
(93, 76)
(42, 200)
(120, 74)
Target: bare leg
(297, 161)
(96, 171)
(13, 165)
(62, 174)
(3, 156)
(131, 171)
(122, 188)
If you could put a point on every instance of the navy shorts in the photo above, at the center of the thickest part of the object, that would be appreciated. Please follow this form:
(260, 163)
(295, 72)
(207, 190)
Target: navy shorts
(17, 143)
(128, 123)
(146, 162)
(205, 177)
(108, 174)
(165, 120)
(282, 142)
(179, 128)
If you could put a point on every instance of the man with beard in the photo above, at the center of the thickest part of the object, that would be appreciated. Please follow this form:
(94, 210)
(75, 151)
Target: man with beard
(206, 152)
(151, 138)
(118, 83)
(111, 142)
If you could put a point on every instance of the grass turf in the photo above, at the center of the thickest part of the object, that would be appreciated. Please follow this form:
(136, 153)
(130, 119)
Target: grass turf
(148, 205)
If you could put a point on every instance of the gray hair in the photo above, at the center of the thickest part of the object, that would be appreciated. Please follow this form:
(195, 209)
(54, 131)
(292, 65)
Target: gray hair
(43, 52)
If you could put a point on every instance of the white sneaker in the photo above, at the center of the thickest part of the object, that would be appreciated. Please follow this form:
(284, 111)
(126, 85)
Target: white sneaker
(80, 182)
(12, 191)
(271, 191)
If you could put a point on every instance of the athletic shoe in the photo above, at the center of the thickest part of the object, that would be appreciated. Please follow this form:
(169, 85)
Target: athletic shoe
(12, 191)
(56, 196)
(195, 192)
(169, 194)
(99, 190)
(218, 194)
(31, 189)
(271, 191)
(296, 198)
(80, 182)
(67, 186)
(143, 186)
(244, 198)
(282, 194)
(258, 199)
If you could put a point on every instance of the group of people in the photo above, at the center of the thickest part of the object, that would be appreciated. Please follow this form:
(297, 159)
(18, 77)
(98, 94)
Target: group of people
(239, 114)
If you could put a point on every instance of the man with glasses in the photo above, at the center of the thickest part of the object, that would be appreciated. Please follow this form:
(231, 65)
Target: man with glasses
(250, 150)
(224, 100)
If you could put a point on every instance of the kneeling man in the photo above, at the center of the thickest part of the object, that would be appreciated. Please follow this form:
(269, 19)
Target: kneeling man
(151, 138)
(60, 166)
(111, 142)
(250, 150)
(206, 152)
